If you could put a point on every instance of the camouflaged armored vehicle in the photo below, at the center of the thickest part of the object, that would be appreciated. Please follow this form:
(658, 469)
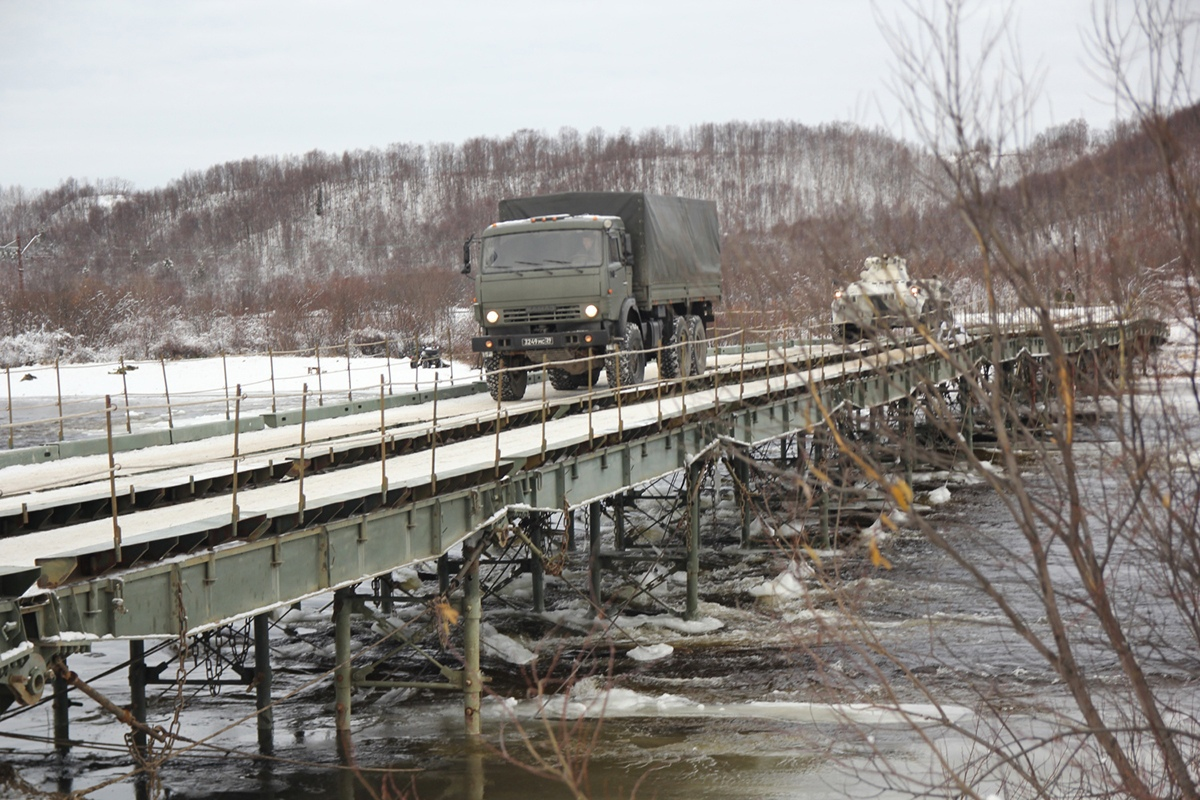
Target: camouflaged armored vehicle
(885, 297)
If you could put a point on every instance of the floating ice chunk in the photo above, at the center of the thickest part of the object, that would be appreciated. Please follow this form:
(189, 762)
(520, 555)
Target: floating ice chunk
(785, 586)
(652, 652)
(503, 646)
(939, 496)
(671, 622)
(394, 696)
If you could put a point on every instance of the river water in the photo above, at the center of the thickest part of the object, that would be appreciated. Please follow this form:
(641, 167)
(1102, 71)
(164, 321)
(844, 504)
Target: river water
(784, 689)
(742, 707)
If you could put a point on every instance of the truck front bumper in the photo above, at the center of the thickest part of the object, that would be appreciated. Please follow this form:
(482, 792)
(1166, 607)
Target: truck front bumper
(521, 342)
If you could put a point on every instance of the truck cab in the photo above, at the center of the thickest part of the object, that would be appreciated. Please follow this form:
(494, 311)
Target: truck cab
(553, 286)
(564, 280)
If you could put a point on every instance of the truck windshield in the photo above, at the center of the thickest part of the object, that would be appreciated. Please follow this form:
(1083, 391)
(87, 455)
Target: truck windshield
(546, 249)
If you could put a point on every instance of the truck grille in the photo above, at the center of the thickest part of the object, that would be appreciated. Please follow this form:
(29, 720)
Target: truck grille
(536, 315)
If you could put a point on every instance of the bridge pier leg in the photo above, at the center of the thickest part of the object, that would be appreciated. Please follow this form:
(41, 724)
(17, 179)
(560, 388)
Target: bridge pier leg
(909, 449)
(137, 693)
(62, 717)
(387, 590)
(619, 521)
(537, 569)
(472, 615)
(594, 571)
(341, 671)
(783, 462)
(741, 474)
(262, 686)
(569, 529)
(967, 404)
(695, 472)
(137, 708)
(818, 457)
(443, 573)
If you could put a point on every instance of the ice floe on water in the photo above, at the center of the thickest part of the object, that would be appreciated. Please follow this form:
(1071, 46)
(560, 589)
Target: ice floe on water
(591, 698)
(784, 586)
(651, 652)
(670, 622)
(939, 496)
(504, 647)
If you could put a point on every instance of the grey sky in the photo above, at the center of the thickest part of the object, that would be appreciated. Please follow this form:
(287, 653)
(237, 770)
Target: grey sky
(146, 91)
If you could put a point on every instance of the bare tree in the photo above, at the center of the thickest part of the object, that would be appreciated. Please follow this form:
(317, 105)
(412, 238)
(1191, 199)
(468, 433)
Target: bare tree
(1091, 572)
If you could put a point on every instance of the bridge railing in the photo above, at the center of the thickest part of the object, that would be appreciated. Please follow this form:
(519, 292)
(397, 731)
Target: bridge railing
(161, 394)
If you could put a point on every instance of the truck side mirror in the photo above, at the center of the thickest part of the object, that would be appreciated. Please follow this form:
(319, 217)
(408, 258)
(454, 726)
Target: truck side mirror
(466, 267)
(627, 256)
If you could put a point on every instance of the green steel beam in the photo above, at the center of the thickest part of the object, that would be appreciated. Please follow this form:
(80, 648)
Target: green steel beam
(241, 578)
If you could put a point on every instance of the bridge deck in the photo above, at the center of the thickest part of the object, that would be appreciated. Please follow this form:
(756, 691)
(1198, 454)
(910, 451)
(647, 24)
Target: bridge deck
(189, 565)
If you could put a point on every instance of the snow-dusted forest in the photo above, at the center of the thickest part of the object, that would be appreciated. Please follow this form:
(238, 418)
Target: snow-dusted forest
(297, 251)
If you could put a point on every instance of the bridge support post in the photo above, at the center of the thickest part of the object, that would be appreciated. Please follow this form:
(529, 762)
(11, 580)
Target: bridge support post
(443, 573)
(62, 718)
(741, 476)
(262, 683)
(537, 569)
(137, 694)
(695, 473)
(594, 572)
(909, 416)
(818, 458)
(619, 521)
(569, 529)
(472, 614)
(475, 774)
(387, 590)
(342, 607)
(968, 413)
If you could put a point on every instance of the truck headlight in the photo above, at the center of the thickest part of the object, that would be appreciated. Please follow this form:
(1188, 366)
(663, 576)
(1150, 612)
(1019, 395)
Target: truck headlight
(590, 310)
(837, 295)
(914, 290)
(493, 316)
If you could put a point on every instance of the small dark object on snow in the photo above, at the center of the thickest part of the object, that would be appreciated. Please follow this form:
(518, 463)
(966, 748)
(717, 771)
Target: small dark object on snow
(29, 376)
(429, 357)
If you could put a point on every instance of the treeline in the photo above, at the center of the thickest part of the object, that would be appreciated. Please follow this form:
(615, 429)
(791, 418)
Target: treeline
(291, 252)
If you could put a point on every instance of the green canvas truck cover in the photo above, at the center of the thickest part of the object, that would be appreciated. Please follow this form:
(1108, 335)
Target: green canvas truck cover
(676, 240)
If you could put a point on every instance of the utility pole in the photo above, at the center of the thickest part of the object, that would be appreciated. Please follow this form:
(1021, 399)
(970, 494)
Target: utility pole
(20, 268)
(14, 247)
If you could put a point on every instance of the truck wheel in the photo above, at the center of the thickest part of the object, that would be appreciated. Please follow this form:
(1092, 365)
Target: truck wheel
(846, 333)
(512, 387)
(630, 361)
(669, 355)
(561, 379)
(699, 346)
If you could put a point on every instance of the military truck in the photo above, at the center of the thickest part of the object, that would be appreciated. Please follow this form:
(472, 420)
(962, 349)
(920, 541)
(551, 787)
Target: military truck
(594, 281)
(885, 297)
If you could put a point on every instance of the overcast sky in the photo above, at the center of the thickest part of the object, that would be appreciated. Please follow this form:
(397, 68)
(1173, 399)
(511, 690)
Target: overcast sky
(146, 90)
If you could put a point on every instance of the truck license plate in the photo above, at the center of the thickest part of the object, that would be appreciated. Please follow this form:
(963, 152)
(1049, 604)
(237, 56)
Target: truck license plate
(537, 341)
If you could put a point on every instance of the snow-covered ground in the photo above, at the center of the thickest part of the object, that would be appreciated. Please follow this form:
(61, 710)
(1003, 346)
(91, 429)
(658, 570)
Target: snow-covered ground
(198, 390)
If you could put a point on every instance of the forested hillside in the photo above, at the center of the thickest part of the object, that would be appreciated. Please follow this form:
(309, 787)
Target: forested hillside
(290, 252)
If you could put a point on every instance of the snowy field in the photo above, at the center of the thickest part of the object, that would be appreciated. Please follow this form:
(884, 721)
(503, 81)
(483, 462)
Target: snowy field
(198, 390)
